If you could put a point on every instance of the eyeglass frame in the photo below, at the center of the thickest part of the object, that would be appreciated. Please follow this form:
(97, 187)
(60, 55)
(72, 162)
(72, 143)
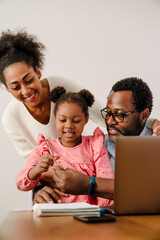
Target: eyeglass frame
(112, 114)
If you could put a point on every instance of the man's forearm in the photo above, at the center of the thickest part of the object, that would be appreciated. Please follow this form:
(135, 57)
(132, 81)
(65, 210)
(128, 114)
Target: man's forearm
(79, 184)
(76, 183)
(104, 188)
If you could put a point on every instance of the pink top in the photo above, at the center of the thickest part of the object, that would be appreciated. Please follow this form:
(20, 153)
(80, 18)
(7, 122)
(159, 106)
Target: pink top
(90, 158)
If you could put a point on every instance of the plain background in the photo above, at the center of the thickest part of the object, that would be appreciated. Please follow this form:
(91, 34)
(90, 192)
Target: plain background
(93, 42)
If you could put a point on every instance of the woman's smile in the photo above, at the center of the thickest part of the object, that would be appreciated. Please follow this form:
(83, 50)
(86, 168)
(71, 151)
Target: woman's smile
(31, 98)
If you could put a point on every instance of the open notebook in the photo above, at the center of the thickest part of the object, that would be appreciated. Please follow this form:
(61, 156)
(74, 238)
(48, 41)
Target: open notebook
(60, 209)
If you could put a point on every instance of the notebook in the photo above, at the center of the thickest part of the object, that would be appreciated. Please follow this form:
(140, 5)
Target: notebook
(137, 175)
(61, 209)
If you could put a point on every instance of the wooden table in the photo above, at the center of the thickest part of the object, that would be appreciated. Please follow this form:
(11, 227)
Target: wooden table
(24, 225)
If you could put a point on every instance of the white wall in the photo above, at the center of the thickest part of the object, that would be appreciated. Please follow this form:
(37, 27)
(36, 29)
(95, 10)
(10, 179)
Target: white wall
(94, 42)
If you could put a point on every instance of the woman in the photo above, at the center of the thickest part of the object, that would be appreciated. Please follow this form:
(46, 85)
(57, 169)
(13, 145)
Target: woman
(28, 113)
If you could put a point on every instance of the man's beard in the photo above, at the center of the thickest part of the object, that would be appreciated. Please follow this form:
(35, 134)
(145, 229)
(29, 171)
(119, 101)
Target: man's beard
(134, 131)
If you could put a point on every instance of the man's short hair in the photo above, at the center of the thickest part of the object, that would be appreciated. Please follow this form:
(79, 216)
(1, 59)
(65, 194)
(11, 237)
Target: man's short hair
(141, 93)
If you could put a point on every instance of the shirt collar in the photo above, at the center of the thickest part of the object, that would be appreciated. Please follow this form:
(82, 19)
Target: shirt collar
(111, 145)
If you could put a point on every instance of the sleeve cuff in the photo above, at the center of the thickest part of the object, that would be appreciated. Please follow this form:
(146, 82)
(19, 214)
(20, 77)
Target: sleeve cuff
(149, 122)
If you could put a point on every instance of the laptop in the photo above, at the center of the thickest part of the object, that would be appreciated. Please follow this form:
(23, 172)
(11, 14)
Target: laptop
(137, 175)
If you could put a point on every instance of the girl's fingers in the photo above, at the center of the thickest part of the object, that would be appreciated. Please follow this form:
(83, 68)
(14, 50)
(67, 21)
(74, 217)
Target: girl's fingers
(57, 167)
(56, 157)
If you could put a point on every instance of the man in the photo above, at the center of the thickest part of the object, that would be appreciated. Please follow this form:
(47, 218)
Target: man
(129, 105)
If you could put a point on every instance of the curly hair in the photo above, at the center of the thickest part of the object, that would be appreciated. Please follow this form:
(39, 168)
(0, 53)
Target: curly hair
(20, 47)
(141, 92)
(84, 98)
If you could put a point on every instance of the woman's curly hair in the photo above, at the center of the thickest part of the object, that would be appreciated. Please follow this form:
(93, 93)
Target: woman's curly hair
(84, 98)
(20, 47)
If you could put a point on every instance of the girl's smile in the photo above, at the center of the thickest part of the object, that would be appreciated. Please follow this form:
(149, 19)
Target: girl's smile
(70, 122)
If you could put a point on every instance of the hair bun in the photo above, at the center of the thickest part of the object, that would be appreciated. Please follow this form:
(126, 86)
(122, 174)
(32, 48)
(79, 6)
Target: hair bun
(56, 93)
(88, 96)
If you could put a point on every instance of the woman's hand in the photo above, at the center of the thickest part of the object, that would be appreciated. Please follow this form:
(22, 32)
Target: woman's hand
(156, 128)
(47, 195)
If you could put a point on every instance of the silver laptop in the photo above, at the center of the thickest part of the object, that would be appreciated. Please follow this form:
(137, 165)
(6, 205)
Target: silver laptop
(137, 175)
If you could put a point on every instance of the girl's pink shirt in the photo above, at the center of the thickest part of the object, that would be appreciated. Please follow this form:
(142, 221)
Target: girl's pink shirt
(90, 158)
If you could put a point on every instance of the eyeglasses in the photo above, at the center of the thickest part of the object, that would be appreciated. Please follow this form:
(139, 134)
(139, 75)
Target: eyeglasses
(117, 117)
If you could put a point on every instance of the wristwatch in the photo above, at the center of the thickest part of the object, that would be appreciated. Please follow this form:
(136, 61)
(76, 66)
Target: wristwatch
(91, 186)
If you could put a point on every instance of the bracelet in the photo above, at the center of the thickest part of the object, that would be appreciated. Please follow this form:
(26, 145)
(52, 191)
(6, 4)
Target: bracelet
(91, 186)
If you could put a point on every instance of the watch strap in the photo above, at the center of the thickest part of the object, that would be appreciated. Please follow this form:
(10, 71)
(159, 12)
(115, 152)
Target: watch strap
(91, 186)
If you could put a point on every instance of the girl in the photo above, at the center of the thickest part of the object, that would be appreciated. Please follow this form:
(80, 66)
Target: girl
(85, 154)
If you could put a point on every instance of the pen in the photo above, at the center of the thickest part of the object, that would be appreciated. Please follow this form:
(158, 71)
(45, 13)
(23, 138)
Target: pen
(50, 150)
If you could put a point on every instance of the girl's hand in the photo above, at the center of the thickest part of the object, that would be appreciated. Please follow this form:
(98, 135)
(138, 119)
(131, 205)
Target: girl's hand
(47, 178)
(43, 164)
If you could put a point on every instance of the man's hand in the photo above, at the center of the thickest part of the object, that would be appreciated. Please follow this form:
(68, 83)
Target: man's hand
(48, 195)
(156, 128)
(47, 178)
(70, 181)
(73, 182)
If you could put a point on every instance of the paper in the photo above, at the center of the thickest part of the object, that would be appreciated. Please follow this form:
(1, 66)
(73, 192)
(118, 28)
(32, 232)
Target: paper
(60, 209)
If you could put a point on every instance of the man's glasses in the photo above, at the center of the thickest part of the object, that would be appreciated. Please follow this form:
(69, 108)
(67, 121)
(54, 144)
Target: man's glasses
(117, 117)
